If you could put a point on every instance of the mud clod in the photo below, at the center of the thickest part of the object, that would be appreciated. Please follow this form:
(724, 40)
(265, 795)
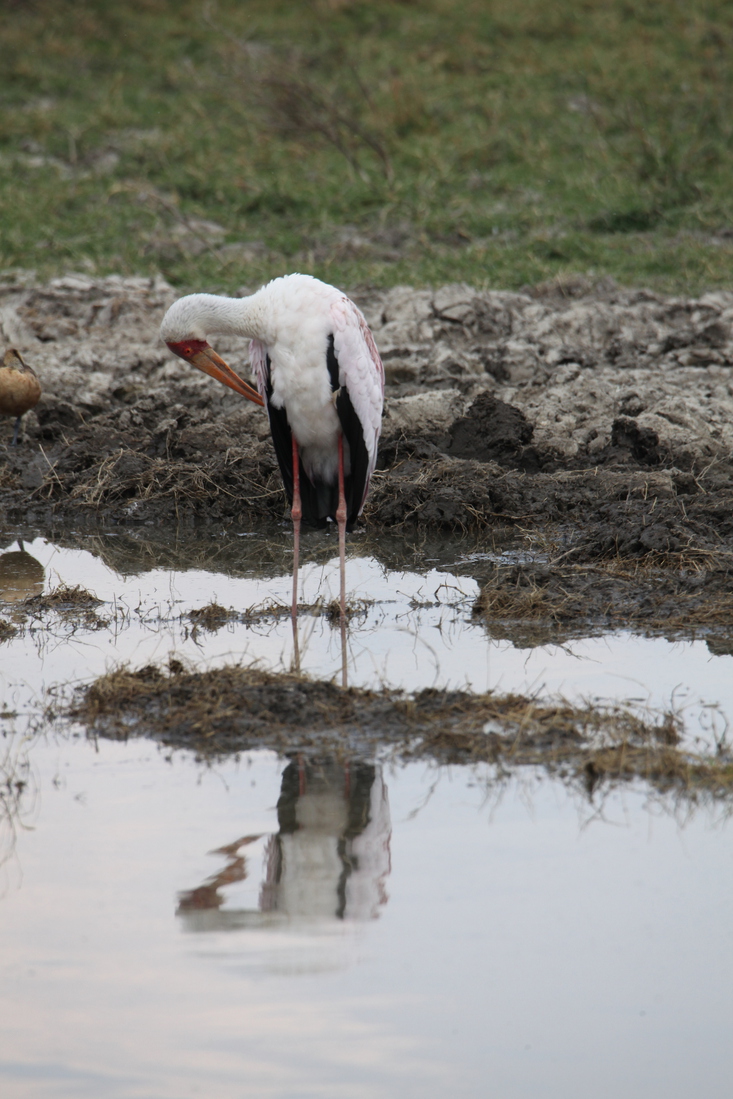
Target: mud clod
(490, 431)
(642, 442)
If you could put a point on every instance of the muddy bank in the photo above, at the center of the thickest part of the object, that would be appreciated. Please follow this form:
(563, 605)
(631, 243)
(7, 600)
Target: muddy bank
(235, 709)
(598, 418)
(538, 603)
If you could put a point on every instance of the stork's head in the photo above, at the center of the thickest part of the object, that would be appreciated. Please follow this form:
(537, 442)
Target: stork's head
(187, 338)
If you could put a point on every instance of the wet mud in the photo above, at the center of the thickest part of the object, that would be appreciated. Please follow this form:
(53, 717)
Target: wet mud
(537, 603)
(596, 419)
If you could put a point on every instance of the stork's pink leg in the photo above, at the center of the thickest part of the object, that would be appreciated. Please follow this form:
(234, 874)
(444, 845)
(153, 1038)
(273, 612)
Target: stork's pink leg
(296, 513)
(341, 520)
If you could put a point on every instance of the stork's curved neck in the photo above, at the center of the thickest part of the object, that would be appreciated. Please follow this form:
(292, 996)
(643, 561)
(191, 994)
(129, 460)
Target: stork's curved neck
(203, 315)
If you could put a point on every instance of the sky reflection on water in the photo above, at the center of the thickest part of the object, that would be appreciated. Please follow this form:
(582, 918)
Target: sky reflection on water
(341, 928)
(515, 943)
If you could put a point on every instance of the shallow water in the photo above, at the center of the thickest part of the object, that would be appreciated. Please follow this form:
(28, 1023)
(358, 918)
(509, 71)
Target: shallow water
(495, 940)
(415, 631)
(281, 928)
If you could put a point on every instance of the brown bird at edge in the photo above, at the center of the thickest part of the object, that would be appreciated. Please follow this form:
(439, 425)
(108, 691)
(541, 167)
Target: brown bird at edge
(20, 389)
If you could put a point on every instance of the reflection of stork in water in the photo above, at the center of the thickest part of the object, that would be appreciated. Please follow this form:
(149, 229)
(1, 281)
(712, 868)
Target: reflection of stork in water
(329, 860)
(331, 856)
(20, 389)
(207, 896)
(319, 373)
(21, 575)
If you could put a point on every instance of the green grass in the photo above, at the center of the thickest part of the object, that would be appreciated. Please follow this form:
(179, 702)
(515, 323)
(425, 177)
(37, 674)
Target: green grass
(500, 142)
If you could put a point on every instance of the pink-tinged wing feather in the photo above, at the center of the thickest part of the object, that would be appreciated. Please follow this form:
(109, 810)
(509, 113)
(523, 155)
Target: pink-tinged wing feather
(361, 372)
(258, 362)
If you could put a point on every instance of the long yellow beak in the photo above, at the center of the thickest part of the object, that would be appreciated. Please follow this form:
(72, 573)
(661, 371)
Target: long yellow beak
(213, 364)
(207, 360)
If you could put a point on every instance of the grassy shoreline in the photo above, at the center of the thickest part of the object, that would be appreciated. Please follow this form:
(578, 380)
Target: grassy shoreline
(382, 143)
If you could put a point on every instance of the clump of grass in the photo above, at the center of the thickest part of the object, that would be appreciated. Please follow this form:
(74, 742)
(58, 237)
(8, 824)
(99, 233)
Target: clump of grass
(355, 608)
(63, 597)
(235, 709)
(300, 105)
(211, 617)
(74, 604)
(214, 617)
(16, 791)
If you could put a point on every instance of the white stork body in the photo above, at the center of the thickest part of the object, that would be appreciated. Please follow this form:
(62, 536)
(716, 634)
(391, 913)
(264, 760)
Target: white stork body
(319, 374)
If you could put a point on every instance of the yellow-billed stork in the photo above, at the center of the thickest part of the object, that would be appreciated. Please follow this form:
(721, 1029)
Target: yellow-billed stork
(319, 374)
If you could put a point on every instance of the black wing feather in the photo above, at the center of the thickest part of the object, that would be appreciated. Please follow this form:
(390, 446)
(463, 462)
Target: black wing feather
(315, 499)
(353, 432)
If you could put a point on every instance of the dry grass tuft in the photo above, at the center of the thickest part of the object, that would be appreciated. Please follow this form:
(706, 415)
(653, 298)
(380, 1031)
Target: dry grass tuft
(236, 709)
(126, 476)
(63, 597)
(74, 604)
(355, 608)
(211, 617)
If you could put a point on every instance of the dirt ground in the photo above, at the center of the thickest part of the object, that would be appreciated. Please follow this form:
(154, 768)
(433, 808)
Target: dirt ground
(593, 422)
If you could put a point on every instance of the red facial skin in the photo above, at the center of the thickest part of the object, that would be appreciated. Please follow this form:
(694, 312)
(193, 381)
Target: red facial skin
(186, 348)
(203, 357)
